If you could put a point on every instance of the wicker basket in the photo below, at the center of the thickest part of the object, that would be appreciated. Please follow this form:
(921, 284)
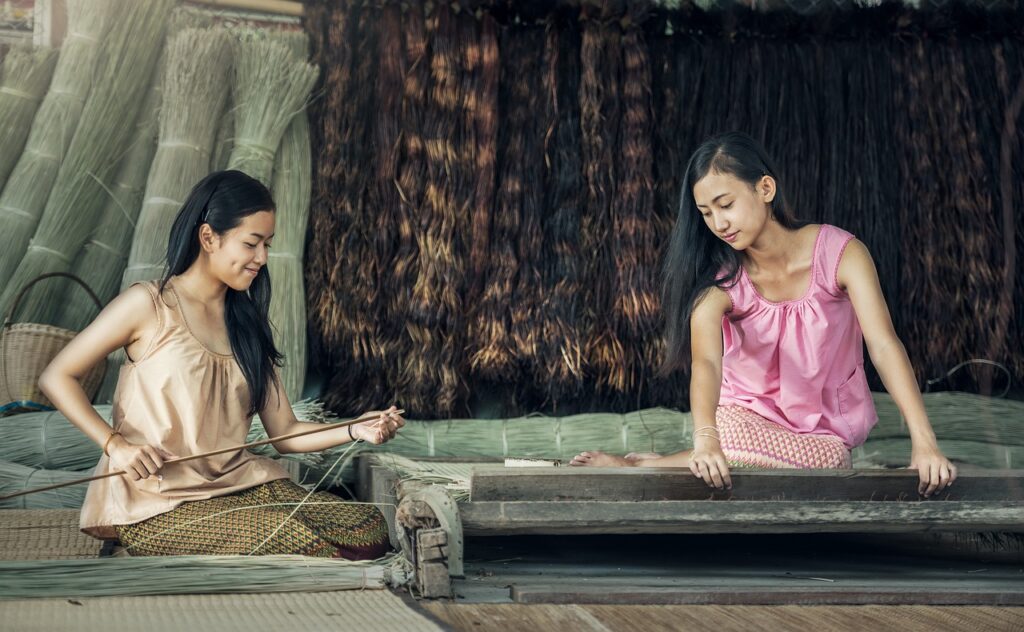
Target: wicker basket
(27, 348)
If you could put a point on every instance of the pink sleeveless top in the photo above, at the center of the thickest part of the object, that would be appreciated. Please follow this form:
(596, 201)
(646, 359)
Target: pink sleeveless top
(800, 363)
(186, 399)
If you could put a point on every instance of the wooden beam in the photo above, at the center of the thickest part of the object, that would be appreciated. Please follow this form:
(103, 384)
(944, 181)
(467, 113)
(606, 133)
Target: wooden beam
(738, 516)
(935, 593)
(278, 7)
(646, 484)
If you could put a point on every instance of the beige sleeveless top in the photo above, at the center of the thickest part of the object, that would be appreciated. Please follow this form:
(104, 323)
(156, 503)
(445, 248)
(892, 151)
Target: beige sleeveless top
(185, 398)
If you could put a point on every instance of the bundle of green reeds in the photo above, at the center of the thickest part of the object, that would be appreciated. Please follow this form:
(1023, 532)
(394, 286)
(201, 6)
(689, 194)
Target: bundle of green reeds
(195, 574)
(102, 260)
(47, 440)
(30, 183)
(195, 88)
(291, 190)
(15, 478)
(270, 85)
(127, 59)
(26, 76)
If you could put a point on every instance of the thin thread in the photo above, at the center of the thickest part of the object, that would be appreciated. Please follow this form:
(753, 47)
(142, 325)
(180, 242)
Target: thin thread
(311, 492)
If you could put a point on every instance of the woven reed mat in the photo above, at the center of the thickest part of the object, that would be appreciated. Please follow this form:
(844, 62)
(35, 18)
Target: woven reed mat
(44, 534)
(376, 610)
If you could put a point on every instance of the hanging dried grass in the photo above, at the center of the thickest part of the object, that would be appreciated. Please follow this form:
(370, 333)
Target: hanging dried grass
(355, 378)
(435, 314)
(492, 352)
(128, 58)
(601, 109)
(410, 183)
(559, 363)
(28, 188)
(328, 27)
(524, 313)
(636, 310)
(485, 127)
(27, 72)
(391, 230)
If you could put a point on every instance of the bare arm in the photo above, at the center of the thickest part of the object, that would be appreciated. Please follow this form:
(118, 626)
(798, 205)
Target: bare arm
(706, 460)
(121, 323)
(129, 320)
(279, 419)
(857, 275)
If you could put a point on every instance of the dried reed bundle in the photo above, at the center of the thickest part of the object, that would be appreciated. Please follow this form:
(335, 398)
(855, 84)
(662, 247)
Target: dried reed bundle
(559, 363)
(269, 86)
(198, 63)
(74, 206)
(26, 76)
(28, 188)
(16, 478)
(102, 260)
(291, 189)
(194, 574)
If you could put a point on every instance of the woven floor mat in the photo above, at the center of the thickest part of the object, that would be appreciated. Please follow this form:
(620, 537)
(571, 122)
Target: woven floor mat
(44, 534)
(377, 610)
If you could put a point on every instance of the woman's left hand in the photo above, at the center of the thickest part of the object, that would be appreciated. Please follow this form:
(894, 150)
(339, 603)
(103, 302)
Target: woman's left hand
(935, 470)
(380, 430)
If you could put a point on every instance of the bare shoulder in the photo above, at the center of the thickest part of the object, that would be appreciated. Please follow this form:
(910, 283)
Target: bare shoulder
(713, 304)
(855, 265)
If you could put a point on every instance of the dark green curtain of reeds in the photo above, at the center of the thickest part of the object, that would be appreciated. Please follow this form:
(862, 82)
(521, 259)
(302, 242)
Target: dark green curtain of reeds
(495, 182)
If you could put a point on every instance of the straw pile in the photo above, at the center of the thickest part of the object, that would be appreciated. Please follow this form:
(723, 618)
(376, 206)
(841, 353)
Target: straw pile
(269, 85)
(128, 59)
(26, 76)
(29, 185)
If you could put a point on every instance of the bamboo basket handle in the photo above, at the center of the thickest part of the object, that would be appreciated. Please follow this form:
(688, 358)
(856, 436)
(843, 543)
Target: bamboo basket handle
(41, 277)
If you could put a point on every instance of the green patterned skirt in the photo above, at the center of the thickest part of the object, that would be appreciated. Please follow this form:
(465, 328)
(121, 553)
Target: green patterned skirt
(241, 523)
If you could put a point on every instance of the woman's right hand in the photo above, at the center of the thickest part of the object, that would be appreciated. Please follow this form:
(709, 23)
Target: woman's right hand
(137, 461)
(707, 462)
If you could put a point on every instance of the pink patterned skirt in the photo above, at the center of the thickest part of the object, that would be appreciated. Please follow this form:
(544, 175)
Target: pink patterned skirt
(751, 441)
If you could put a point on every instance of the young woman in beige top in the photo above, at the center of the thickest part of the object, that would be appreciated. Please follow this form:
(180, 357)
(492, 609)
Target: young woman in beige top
(201, 362)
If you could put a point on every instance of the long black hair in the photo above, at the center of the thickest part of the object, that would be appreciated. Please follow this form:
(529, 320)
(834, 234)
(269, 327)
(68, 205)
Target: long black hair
(222, 199)
(698, 260)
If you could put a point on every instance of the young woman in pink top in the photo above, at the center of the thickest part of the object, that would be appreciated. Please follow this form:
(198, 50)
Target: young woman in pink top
(769, 313)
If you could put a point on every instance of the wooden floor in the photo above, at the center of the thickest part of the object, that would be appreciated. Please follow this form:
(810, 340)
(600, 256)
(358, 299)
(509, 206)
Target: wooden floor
(586, 618)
